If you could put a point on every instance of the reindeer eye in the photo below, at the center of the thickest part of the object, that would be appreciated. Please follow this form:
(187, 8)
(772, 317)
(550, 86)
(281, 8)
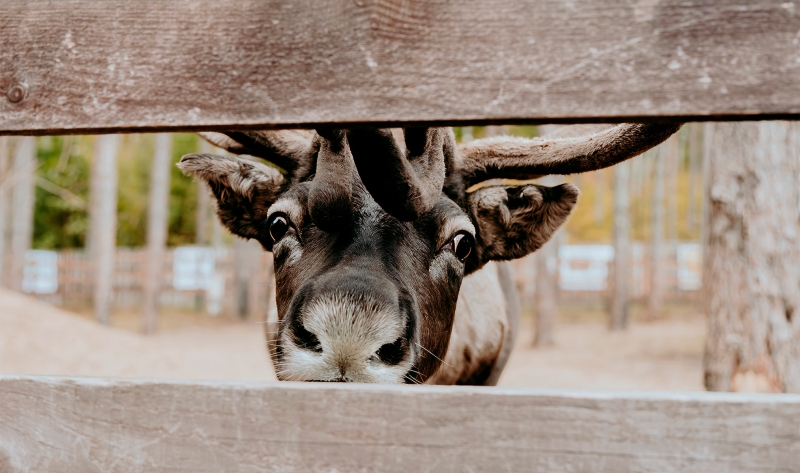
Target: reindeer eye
(462, 245)
(278, 228)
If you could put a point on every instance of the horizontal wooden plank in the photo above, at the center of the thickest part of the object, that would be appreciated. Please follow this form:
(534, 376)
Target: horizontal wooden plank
(90, 425)
(69, 66)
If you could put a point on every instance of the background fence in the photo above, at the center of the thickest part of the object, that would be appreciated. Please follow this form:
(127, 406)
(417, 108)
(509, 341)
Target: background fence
(212, 279)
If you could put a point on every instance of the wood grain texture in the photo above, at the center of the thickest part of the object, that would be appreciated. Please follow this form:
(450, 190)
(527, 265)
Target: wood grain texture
(87, 425)
(69, 66)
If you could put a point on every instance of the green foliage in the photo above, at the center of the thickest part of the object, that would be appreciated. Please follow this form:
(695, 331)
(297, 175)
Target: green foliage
(61, 220)
(527, 131)
(135, 162)
(183, 195)
(58, 222)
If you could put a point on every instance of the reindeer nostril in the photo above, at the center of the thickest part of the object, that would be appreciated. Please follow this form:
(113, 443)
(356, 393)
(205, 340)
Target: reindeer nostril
(305, 339)
(392, 353)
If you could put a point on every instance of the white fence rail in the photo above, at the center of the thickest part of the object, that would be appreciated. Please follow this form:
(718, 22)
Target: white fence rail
(194, 271)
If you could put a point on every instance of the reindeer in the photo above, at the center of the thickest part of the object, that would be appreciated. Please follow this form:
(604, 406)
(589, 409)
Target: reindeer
(384, 245)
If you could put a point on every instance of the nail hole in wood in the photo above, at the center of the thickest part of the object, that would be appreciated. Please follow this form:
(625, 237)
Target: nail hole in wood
(17, 93)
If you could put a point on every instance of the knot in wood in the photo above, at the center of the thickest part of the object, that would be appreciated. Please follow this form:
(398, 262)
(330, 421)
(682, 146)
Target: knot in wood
(17, 93)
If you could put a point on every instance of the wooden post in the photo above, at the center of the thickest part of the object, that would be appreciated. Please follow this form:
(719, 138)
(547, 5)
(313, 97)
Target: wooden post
(622, 247)
(656, 295)
(103, 223)
(4, 193)
(157, 227)
(23, 197)
(751, 259)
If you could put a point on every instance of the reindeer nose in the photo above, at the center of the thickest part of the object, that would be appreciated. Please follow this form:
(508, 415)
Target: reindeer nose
(361, 282)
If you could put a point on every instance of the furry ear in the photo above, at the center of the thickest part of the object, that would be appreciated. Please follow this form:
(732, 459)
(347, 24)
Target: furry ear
(515, 221)
(243, 186)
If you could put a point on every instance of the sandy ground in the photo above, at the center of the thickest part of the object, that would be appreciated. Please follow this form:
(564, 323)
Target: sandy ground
(657, 356)
(37, 338)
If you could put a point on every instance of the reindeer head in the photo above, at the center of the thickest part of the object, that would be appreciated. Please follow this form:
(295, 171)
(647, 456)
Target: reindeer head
(372, 235)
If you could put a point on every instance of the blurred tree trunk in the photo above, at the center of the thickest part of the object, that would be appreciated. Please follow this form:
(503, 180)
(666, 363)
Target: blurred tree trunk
(256, 286)
(24, 194)
(695, 173)
(672, 170)
(599, 194)
(4, 193)
(203, 203)
(546, 292)
(622, 247)
(102, 237)
(247, 284)
(157, 226)
(752, 257)
(656, 295)
(545, 296)
(467, 134)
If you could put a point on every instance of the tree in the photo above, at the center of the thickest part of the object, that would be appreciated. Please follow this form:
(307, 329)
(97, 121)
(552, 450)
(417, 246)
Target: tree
(622, 247)
(247, 286)
(102, 237)
(599, 196)
(751, 257)
(695, 172)
(60, 215)
(157, 222)
(546, 293)
(656, 295)
(4, 186)
(22, 177)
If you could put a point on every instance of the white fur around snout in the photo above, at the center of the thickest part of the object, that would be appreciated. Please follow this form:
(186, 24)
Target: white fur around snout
(350, 329)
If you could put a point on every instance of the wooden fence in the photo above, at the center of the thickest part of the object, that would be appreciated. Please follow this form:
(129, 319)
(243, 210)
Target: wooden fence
(76, 277)
(213, 280)
(85, 425)
(682, 279)
(70, 66)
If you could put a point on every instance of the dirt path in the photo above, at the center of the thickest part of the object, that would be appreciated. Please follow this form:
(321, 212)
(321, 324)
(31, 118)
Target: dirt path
(37, 338)
(658, 356)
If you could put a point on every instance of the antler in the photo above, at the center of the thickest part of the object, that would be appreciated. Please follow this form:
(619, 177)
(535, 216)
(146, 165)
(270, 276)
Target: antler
(330, 196)
(524, 158)
(405, 184)
(291, 150)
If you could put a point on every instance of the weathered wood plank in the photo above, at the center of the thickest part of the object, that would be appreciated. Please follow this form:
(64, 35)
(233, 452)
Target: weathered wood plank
(114, 65)
(87, 425)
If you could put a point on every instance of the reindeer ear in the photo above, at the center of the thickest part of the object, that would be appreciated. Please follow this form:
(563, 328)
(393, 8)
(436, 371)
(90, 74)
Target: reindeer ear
(243, 186)
(515, 221)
